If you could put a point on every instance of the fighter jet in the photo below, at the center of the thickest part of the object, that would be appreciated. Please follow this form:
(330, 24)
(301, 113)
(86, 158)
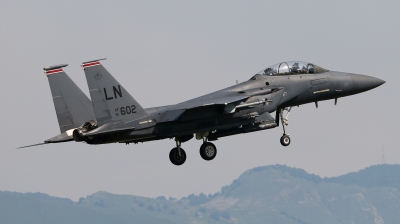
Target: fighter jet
(112, 115)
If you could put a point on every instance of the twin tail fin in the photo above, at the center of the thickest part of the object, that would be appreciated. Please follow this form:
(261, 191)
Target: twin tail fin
(111, 101)
(73, 107)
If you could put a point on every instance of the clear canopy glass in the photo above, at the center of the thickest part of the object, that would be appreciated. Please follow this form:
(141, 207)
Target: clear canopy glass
(292, 67)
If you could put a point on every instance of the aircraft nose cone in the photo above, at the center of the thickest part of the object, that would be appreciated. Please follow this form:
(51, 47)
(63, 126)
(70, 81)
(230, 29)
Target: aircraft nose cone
(362, 83)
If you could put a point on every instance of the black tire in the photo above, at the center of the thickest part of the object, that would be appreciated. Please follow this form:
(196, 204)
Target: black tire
(208, 151)
(175, 158)
(285, 140)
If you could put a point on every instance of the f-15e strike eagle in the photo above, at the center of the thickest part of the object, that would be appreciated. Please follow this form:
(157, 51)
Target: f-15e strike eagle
(114, 116)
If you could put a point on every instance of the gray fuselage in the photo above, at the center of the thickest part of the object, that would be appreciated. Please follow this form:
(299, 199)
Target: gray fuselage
(265, 94)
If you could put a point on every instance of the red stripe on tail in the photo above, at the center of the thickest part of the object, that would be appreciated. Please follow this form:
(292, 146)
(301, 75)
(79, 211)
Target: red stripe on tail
(90, 64)
(48, 72)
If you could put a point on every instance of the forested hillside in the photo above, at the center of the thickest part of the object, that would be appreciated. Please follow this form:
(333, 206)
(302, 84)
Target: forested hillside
(269, 194)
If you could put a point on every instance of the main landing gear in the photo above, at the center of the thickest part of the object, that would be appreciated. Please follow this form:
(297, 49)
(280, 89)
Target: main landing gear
(285, 139)
(177, 155)
(208, 151)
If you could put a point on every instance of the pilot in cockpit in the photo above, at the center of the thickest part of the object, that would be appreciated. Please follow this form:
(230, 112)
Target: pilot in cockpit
(269, 71)
(295, 68)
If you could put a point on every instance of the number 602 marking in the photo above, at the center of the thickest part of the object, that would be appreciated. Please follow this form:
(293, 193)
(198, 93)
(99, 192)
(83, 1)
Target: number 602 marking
(128, 110)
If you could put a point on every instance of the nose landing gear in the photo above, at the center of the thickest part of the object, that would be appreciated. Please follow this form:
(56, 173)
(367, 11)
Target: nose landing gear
(285, 139)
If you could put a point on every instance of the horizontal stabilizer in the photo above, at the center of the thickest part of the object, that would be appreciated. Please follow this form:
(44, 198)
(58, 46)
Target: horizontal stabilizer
(32, 145)
(108, 131)
(63, 137)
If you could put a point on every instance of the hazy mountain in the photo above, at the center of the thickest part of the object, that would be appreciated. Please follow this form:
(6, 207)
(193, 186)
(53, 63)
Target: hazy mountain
(269, 194)
(374, 176)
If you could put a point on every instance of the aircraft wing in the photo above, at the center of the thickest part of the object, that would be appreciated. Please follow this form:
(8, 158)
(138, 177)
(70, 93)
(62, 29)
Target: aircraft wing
(209, 101)
(199, 108)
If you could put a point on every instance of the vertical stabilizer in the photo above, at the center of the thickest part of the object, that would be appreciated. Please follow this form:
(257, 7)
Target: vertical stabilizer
(111, 101)
(72, 106)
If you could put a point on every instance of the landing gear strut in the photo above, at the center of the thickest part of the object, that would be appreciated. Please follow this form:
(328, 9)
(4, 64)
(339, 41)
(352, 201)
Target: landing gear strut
(285, 139)
(177, 155)
(208, 151)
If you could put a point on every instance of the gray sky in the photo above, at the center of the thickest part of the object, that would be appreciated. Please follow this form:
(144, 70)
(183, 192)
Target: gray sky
(167, 52)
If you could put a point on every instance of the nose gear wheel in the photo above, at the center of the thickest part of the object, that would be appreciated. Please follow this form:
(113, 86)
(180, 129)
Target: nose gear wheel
(285, 139)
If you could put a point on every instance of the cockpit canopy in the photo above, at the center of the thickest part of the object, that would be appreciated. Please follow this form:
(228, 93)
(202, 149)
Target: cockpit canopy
(292, 67)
